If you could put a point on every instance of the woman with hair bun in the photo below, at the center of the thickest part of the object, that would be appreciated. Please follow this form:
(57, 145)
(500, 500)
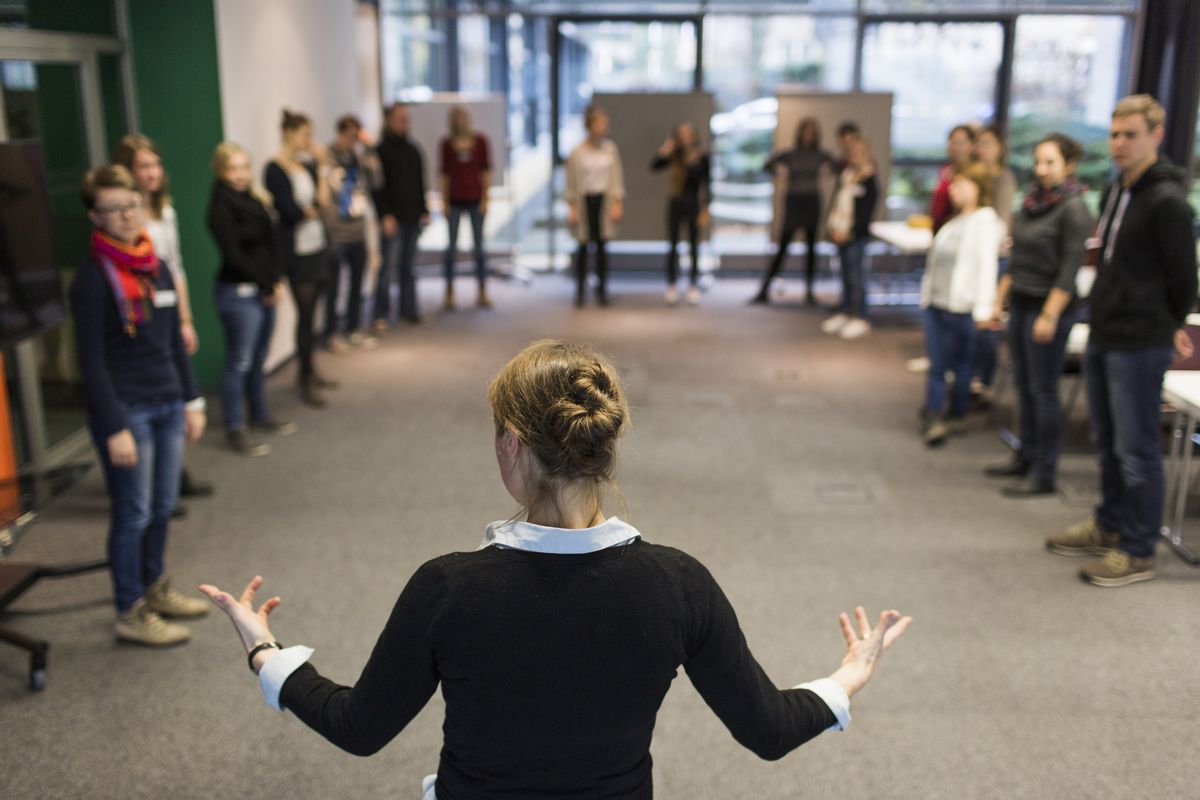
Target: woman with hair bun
(556, 641)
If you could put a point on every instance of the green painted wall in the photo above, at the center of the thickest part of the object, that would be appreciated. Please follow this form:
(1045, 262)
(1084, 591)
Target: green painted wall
(178, 90)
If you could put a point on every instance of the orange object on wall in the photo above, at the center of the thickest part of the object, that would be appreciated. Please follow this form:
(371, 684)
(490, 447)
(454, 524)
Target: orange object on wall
(10, 490)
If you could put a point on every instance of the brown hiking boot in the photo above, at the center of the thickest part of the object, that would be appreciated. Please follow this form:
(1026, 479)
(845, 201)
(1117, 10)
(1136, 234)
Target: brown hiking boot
(1117, 568)
(140, 625)
(162, 599)
(1085, 538)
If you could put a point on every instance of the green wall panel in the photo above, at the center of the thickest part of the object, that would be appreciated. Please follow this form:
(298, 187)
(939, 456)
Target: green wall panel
(71, 16)
(179, 106)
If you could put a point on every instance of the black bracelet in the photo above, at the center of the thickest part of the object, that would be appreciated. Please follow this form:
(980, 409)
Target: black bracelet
(258, 648)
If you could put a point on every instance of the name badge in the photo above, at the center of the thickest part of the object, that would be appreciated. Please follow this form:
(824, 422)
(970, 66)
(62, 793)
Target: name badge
(165, 298)
(247, 290)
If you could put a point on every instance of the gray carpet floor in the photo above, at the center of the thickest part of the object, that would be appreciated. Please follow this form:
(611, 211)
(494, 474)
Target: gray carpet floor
(786, 460)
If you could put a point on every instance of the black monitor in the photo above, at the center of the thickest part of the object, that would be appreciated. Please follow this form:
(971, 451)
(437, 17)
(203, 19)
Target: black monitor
(30, 289)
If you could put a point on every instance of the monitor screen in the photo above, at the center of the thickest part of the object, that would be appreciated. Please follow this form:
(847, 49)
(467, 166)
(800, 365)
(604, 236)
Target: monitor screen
(30, 290)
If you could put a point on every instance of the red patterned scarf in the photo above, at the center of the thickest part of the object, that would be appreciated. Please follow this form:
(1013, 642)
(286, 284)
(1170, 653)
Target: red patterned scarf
(131, 270)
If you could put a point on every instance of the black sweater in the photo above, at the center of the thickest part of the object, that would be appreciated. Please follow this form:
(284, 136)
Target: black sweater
(864, 206)
(553, 668)
(696, 177)
(402, 194)
(120, 370)
(245, 235)
(1048, 248)
(1144, 293)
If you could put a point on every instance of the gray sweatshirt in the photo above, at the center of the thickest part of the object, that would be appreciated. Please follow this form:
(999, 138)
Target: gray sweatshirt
(1048, 249)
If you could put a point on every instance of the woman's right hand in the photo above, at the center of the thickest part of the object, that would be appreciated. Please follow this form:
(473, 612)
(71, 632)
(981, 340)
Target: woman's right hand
(250, 625)
(862, 655)
(122, 449)
(572, 215)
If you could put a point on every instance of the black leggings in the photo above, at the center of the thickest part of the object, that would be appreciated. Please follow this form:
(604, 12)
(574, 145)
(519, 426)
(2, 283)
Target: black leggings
(683, 208)
(594, 206)
(306, 293)
(801, 212)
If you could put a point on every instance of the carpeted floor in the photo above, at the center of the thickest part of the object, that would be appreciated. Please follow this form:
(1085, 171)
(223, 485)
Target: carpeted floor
(786, 460)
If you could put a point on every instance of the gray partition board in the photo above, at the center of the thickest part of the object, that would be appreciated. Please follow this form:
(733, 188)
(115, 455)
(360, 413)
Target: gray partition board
(873, 113)
(639, 124)
(428, 126)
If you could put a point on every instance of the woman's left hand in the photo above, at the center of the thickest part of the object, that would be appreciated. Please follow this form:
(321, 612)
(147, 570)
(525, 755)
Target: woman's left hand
(251, 625)
(705, 219)
(191, 342)
(617, 212)
(1044, 329)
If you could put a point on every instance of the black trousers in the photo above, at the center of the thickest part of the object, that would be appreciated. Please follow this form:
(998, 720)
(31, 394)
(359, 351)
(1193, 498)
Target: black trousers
(593, 207)
(801, 212)
(308, 284)
(681, 209)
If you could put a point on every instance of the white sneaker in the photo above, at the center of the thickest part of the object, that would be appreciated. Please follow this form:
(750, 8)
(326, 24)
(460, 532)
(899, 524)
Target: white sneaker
(834, 323)
(338, 344)
(919, 364)
(693, 295)
(672, 295)
(363, 340)
(855, 329)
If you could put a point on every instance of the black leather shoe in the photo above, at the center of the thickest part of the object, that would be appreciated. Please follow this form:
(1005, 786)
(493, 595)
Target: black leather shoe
(1030, 488)
(179, 513)
(190, 487)
(1014, 468)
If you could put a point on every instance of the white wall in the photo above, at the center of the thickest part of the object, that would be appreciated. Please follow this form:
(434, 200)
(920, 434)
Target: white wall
(298, 54)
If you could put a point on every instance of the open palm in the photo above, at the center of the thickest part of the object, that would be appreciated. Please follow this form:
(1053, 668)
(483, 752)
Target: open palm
(251, 625)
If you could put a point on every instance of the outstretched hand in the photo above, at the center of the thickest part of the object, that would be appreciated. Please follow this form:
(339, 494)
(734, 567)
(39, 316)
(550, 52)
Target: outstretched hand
(865, 646)
(251, 625)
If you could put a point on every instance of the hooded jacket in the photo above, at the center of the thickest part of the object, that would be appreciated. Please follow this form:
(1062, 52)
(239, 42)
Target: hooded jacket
(1146, 285)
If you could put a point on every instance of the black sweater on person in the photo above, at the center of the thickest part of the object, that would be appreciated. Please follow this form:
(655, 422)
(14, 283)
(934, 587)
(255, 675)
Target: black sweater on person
(245, 235)
(696, 176)
(1144, 293)
(402, 194)
(553, 668)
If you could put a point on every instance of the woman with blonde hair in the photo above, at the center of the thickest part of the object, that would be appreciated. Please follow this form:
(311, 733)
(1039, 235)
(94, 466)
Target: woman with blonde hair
(849, 227)
(690, 191)
(556, 641)
(595, 198)
(247, 290)
(466, 176)
(142, 157)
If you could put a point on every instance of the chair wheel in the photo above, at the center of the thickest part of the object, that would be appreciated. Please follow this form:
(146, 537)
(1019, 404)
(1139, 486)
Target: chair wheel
(37, 680)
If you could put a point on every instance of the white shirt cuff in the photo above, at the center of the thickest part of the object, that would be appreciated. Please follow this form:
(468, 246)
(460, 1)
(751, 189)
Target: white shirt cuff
(278, 669)
(830, 691)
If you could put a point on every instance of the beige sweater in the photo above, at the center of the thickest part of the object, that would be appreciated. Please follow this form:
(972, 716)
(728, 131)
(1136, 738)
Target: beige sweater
(574, 193)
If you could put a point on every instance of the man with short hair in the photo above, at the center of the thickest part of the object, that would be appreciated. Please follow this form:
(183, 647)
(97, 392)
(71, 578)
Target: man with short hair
(1145, 286)
(402, 213)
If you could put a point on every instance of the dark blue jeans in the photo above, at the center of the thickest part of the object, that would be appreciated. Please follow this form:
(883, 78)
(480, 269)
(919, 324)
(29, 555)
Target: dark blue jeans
(142, 498)
(248, 325)
(854, 281)
(399, 255)
(948, 338)
(1124, 390)
(453, 217)
(354, 256)
(1037, 369)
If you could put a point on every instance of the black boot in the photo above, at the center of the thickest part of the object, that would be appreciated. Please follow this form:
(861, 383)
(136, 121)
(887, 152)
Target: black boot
(190, 487)
(309, 394)
(1016, 467)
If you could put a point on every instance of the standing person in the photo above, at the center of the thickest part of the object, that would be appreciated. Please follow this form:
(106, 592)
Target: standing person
(466, 177)
(400, 201)
(849, 226)
(958, 291)
(350, 186)
(141, 156)
(1048, 235)
(300, 192)
(960, 143)
(143, 401)
(803, 164)
(847, 133)
(595, 198)
(991, 151)
(556, 641)
(688, 170)
(1145, 286)
(247, 291)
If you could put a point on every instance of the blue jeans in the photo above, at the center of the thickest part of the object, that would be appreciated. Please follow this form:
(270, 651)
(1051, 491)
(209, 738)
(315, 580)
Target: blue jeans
(948, 338)
(248, 324)
(1124, 390)
(1037, 369)
(142, 498)
(399, 253)
(854, 283)
(452, 219)
(354, 255)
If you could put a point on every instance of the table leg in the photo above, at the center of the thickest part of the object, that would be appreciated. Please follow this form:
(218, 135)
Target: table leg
(1179, 469)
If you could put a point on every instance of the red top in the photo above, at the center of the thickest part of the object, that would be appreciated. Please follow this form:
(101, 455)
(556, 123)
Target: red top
(463, 168)
(940, 207)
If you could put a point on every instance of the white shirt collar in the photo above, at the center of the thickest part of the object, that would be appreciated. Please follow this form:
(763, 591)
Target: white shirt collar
(562, 541)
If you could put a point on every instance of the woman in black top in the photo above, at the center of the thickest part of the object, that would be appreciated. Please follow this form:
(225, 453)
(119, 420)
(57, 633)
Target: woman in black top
(849, 227)
(300, 191)
(1048, 242)
(688, 171)
(555, 643)
(802, 202)
(246, 289)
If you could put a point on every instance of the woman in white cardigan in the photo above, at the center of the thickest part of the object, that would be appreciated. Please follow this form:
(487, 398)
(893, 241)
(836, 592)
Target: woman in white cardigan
(595, 200)
(957, 293)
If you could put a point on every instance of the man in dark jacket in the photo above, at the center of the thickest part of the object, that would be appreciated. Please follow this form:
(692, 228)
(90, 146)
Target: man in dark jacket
(400, 201)
(1145, 287)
